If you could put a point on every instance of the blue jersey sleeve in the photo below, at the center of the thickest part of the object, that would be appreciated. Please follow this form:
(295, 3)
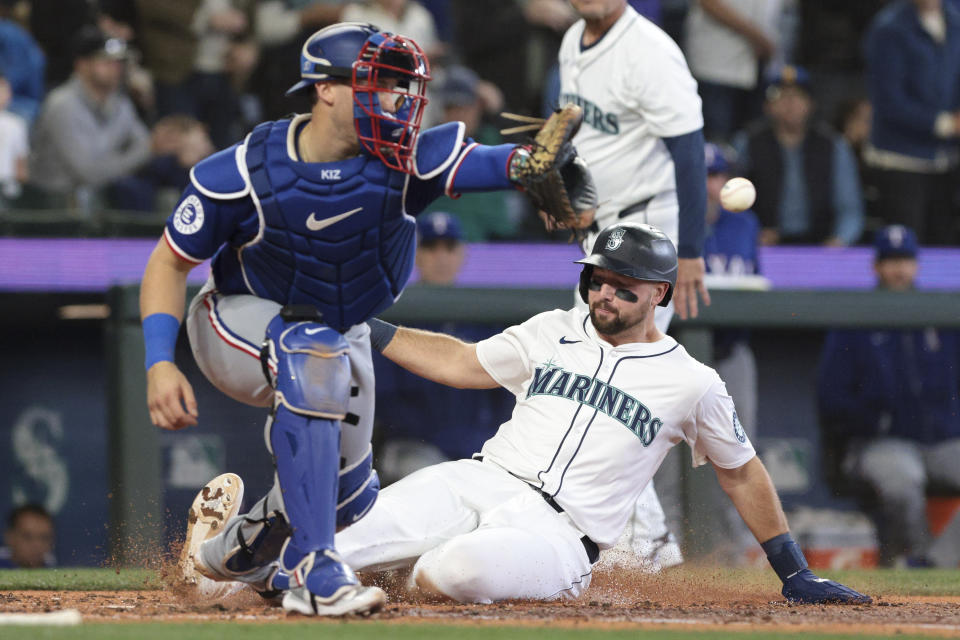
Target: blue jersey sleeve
(691, 177)
(200, 224)
(475, 167)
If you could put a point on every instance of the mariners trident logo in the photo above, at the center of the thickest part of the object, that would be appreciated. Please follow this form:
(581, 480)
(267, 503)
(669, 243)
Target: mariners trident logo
(615, 239)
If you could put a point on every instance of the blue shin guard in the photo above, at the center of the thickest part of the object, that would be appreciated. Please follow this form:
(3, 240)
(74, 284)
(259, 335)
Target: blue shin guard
(312, 389)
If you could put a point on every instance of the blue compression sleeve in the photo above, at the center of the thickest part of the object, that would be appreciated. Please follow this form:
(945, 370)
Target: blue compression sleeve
(381, 333)
(691, 175)
(159, 338)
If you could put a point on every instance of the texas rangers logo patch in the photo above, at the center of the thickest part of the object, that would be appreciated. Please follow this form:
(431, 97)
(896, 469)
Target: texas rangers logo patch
(188, 218)
(615, 239)
(738, 429)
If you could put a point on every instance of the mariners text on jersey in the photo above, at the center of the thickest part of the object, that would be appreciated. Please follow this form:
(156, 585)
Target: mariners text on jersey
(593, 115)
(606, 398)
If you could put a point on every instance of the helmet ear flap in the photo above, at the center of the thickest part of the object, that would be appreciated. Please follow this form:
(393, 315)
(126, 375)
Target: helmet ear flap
(585, 275)
(667, 296)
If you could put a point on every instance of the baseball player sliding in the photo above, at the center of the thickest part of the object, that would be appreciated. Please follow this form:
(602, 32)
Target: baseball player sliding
(642, 137)
(309, 223)
(601, 397)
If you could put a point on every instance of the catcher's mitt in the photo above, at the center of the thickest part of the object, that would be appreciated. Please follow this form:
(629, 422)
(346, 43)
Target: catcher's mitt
(548, 169)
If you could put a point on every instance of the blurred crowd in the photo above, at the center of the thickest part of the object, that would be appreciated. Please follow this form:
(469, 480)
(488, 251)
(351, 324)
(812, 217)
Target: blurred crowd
(845, 115)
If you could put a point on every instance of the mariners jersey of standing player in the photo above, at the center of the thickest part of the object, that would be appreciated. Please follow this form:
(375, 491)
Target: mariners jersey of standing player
(336, 235)
(635, 89)
(593, 421)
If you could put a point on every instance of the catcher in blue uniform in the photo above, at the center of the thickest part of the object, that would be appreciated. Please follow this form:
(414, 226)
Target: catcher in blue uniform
(309, 222)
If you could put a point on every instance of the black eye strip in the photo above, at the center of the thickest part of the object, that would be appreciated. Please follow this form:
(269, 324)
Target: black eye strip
(623, 294)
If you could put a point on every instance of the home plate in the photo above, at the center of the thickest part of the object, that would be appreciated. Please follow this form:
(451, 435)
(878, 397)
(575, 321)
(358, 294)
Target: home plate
(62, 618)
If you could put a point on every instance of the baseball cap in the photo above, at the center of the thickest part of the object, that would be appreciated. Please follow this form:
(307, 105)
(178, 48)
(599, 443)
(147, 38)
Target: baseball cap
(895, 241)
(716, 159)
(91, 42)
(785, 76)
(457, 87)
(438, 226)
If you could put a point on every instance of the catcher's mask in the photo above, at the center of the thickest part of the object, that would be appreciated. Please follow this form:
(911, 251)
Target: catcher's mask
(634, 250)
(378, 65)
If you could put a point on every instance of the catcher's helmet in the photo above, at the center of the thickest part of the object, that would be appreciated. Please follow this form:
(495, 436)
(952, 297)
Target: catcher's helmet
(363, 55)
(634, 250)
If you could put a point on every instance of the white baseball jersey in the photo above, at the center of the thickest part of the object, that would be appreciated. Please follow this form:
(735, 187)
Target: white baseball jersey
(593, 422)
(635, 88)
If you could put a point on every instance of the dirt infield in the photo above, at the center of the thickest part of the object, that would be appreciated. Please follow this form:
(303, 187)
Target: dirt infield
(619, 600)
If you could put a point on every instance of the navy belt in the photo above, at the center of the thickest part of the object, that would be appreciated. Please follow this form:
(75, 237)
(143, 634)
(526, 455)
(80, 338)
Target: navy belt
(593, 551)
(636, 207)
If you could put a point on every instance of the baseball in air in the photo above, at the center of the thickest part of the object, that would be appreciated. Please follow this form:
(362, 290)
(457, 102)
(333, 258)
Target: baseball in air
(738, 194)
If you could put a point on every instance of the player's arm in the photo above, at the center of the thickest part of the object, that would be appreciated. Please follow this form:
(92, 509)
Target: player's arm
(726, 15)
(434, 356)
(690, 174)
(170, 397)
(194, 231)
(548, 170)
(752, 492)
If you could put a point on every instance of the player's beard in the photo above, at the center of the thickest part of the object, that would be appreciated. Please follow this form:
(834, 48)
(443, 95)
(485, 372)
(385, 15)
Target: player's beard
(612, 326)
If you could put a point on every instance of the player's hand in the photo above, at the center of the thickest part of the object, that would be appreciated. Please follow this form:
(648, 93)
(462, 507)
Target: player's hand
(170, 397)
(805, 587)
(763, 47)
(690, 273)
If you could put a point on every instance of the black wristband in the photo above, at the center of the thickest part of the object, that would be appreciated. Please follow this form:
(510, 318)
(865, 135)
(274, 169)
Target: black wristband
(381, 333)
(784, 555)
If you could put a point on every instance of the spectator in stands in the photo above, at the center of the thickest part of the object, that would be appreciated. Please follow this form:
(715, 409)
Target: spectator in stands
(913, 74)
(28, 539)
(462, 96)
(14, 148)
(280, 28)
(852, 121)
(177, 142)
(190, 48)
(805, 173)
(56, 37)
(22, 62)
(406, 17)
(440, 250)
(726, 43)
(889, 402)
(420, 422)
(88, 133)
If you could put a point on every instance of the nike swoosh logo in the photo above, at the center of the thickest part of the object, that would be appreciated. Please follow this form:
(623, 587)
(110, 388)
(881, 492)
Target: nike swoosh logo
(316, 225)
(310, 332)
(563, 340)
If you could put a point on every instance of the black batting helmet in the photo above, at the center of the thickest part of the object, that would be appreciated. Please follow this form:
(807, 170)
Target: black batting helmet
(634, 250)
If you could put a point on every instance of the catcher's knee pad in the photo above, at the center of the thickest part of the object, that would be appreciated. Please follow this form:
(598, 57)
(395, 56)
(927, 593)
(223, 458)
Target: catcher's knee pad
(359, 487)
(312, 364)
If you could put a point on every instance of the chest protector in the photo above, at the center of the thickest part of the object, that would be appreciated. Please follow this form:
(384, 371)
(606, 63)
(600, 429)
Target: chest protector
(333, 235)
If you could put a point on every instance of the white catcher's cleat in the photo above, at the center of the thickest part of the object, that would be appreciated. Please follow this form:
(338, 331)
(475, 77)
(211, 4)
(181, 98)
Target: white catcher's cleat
(216, 503)
(355, 599)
